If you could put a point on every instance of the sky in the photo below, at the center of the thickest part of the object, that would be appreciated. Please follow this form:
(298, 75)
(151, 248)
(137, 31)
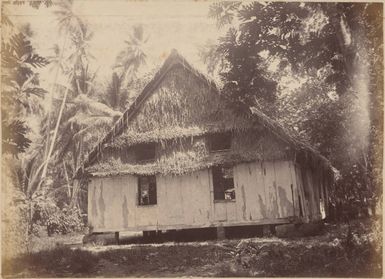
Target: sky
(183, 25)
(180, 24)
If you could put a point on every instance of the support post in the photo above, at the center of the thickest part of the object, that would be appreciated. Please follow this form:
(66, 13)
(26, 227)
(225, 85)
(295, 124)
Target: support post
(221, 233)
(267, 231)
(117, 238)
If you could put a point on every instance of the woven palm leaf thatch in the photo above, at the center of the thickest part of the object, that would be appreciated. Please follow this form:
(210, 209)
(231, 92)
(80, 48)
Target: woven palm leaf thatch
(306, 154)
(179, 109)
(124, 122)
(183, 155)
(131, 138)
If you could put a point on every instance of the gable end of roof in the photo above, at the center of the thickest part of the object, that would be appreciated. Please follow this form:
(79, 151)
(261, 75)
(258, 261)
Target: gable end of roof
(172, 60)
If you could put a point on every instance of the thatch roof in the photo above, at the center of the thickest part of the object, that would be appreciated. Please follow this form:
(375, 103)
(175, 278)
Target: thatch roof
(184, 155)
(132, 128)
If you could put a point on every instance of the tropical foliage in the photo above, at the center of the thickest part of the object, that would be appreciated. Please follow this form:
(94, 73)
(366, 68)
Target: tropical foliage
(331, 54)
(21, 95)
(82, 119)
(48, 144)
(22, 111)
(124, 77)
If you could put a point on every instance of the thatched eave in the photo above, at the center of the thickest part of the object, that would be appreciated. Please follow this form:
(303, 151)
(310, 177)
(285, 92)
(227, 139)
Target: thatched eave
(173, 167)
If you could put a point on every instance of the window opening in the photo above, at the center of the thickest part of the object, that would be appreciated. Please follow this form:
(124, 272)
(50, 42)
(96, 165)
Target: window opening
(147, 190)
(145, 152)
(220, 142)
(223, 181)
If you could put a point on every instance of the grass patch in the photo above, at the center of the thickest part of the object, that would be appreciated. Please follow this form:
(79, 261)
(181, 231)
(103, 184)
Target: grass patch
(59, 261)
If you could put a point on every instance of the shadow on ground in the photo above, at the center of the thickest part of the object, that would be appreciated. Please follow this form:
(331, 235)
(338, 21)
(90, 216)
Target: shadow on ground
(186, 235)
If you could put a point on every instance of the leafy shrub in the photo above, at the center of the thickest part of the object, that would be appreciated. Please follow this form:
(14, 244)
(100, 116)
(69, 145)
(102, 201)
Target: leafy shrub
(357, 252)
(64, 221)
(14, 234)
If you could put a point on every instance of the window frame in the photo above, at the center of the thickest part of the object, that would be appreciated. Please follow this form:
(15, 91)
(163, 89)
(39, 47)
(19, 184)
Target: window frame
(222, 184)
(151, 192)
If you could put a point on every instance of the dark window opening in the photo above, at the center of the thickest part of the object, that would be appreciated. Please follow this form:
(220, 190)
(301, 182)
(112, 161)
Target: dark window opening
(223, 181)
(147, 190)
(145, 152)
(219, 142)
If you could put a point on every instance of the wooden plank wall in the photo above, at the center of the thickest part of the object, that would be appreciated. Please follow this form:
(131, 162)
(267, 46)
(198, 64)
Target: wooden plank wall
(302, 202)
(112, 203)
(315, 183)
(265, 192)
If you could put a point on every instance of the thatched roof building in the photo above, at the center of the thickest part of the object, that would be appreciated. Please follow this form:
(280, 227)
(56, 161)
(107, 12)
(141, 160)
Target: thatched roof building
(179, 157)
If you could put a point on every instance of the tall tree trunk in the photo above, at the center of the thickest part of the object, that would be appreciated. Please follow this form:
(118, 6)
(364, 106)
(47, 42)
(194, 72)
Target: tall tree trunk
(68, 181)
(30, 214)
(51, 97)
(78, 86)
(76, 153)
(54, 134)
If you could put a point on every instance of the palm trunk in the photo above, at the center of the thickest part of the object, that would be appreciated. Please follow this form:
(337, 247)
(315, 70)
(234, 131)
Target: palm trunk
(76, 154)
(78, 87)
(30, 225)
(75, 193)
(54, 135)
(68, 181)
(50, 99)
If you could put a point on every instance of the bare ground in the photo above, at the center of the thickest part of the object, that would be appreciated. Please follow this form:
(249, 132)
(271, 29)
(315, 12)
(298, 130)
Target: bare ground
(338, 252)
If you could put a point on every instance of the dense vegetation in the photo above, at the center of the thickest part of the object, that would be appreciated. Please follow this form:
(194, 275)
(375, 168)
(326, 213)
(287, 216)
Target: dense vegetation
(317, 68)
(47, 132)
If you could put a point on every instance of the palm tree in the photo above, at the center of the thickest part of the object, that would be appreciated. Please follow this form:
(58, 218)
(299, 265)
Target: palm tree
(133, 56)
(84, 122)
(81, 119)
(79, 34)
(127, 64)
(114, 96)
(68, 21)
(77, 61)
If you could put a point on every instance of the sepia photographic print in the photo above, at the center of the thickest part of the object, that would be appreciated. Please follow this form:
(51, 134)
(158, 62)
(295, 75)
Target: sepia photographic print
(191, 139)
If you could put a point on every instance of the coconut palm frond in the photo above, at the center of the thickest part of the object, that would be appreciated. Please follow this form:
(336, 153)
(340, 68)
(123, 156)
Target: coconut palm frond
(95, 107)
(67, 20)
